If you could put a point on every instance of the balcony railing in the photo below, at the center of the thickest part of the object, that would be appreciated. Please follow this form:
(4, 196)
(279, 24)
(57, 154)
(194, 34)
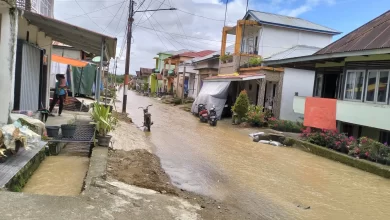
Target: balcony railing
(236, 62)
(43, 7)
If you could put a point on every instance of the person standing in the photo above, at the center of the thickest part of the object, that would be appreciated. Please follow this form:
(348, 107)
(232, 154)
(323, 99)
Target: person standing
(59, 94)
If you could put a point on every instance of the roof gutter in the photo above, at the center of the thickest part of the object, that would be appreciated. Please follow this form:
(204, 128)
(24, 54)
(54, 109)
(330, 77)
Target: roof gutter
(327, 56)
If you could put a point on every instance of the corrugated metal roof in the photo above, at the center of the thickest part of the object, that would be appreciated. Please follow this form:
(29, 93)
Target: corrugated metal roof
(291, 22)
(75, 36)
(372, 35)
(296, 51)
(233, 77)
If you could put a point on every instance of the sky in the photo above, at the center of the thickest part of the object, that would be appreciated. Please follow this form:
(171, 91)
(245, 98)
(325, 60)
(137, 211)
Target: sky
(197, 24)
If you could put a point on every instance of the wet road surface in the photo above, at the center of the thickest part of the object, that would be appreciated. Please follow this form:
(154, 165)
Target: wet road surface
(270, 182)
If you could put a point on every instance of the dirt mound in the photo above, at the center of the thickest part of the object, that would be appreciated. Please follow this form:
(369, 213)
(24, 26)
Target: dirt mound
(143, 169)
(139, 168)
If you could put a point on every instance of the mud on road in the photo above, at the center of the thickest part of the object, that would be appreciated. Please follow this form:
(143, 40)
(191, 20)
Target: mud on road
(143, 169)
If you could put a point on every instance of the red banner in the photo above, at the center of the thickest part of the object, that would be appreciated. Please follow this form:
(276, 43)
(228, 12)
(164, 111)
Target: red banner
(320, 113)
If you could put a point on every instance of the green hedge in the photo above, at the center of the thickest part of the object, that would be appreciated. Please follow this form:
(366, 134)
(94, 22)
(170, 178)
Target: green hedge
(361, 164)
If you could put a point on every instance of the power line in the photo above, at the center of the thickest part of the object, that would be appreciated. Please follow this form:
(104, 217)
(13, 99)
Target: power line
(92, 11)
(153, 12)
(195, 14)
(158, 35)
(150, 3)
(88, 15)
(114, 17)
(120, 19)
(181, 34)
(181, 25)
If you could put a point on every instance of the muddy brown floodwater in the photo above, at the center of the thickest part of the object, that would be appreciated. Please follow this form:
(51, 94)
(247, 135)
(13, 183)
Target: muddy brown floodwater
(271, 182)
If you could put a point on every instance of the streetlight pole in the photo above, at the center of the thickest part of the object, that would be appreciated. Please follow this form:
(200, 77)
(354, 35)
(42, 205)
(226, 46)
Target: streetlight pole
(128, 48)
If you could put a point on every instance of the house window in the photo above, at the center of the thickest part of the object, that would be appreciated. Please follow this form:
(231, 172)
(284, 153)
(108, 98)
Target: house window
(377, 86)
(354, 85)
(318, 85)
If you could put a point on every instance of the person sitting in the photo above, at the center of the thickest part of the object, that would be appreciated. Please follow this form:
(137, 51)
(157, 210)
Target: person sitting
(59, 94)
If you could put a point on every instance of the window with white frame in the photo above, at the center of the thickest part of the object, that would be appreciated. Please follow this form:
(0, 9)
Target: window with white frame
(354, 85)
(377, 86)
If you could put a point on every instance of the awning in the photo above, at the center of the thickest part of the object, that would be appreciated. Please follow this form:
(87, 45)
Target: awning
(234, 77)
(69, 61)
(75, 36)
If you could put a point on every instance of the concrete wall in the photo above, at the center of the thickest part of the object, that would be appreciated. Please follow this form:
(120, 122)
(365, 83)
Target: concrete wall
(8, 40)
(276, 39)
(295, 80)
(40, 39)
(66, 52)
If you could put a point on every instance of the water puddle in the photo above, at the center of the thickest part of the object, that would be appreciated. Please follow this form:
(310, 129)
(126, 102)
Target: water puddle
(59, 176)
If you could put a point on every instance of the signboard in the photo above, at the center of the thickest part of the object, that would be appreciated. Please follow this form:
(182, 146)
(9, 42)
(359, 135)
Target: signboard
(320, 113)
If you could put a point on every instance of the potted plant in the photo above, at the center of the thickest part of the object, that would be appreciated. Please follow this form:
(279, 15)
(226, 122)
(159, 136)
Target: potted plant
(105, 122)
(229, 58)
(255, 61)
(69, 129)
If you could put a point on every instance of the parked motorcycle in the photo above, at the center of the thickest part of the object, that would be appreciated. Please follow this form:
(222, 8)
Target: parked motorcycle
(200, 108)
(147, 117)
(213, 116)
(203, 113)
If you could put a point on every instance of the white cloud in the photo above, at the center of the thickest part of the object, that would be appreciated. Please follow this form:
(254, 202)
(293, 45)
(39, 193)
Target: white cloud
(146, 43)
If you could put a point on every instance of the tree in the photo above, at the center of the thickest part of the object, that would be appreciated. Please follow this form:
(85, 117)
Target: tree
(241, 105)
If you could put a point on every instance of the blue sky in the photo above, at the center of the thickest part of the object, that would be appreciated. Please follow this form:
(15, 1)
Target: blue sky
(342, 15)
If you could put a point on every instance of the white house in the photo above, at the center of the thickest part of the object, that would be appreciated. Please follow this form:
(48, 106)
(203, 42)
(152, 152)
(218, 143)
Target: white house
(265, 36)
(352, 76)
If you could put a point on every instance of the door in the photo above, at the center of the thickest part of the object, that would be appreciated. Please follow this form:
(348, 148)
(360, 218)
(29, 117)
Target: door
(27, 77)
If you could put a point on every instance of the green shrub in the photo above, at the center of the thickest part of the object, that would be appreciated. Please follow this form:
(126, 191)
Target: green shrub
(285, 125)
(146, 86)
(369, 149)
(241, 105)
(255, 116)
(330, 139)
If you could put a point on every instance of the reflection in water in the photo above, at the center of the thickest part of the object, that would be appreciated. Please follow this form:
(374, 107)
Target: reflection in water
(268, 181)
(58, 175)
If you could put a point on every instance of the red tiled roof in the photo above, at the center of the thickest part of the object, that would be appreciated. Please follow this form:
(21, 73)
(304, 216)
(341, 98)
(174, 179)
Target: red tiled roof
(196, 54)
(145, 71)
(372, 35)
(159, 76)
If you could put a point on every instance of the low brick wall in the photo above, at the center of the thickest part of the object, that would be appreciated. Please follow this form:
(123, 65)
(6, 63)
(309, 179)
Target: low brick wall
(361, 164)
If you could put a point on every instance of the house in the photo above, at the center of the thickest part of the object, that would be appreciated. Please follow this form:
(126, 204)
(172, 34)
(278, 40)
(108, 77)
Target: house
(144, 78)
(43, 7)
(182, 68)
(26, 55)
(64, 50)
(166, 69)
(351, 82)
(260, 36)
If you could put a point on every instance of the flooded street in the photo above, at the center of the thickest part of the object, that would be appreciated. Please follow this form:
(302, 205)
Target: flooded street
(270, 182)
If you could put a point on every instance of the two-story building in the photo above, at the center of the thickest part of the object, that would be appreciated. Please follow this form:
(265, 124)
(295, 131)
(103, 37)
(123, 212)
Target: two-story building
(351, 82)
(260, 36)
(184, 73)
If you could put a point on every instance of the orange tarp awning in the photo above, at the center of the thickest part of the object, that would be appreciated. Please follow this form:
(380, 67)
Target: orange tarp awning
(69, 61)
(320, 113)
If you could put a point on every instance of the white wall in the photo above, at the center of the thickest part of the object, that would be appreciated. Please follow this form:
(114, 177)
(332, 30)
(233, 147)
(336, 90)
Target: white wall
(70, 53)
(41, 40)
(276, 39)
(8, 40)
(295, 80)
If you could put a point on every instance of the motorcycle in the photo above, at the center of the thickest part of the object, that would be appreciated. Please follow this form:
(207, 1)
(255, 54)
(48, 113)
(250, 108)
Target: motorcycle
(203, 113)
(147, 117)
(213, 116)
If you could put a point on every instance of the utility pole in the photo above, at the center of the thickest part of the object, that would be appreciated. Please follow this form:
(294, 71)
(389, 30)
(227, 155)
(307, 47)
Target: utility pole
(128, 48)
(182, 85)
